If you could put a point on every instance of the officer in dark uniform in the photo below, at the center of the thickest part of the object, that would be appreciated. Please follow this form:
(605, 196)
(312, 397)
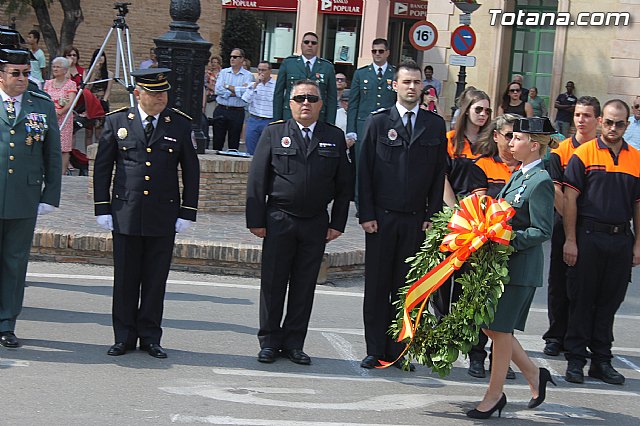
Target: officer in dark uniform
(292, 180)
(308, 66)
(401, 183)
(30, 157)
(146, 143)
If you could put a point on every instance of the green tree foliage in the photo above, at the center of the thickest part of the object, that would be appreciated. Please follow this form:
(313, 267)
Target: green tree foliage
(243, 29)
(72, 19)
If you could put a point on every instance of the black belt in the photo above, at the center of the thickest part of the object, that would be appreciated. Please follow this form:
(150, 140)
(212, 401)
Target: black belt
(607, 228)
(232, 108)
(260, 118)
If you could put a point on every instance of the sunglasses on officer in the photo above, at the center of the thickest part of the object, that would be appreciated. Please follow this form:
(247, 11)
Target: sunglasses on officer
(16, 73)
(301, 98)
(378, 51)
(617, 124)
(313, 42)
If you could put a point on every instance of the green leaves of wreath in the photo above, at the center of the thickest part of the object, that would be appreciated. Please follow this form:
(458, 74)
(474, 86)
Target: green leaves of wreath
(438, 344)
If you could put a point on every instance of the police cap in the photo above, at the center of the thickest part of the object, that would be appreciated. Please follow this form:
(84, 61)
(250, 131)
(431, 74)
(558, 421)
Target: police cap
(152, 79)
(15, 56)
(537, 125)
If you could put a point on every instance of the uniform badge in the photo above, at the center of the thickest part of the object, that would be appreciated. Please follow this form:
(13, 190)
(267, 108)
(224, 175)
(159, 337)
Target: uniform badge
(167, 119)
(286, 142)
(122, 133)
(389, 81)
(131, 116)
(392, 135)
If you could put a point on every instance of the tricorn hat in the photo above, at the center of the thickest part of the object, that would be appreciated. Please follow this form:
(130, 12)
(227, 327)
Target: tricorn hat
(15, 56)
(537, 125)
(152, 79)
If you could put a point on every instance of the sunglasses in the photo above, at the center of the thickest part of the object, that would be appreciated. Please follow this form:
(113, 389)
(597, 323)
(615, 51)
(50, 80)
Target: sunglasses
(17, 73)
(235, 56)
(72, 54)
(378, 51)
(508, 136)
(340, 79)
(301, 98)
(617, 124)
(479, 109)
(514, 90)
(313, 42)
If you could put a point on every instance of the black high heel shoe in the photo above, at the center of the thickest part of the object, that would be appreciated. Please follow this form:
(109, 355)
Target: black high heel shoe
(544, 377)
(477, 414)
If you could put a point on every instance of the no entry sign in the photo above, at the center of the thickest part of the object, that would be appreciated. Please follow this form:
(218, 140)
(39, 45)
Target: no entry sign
(463, 40)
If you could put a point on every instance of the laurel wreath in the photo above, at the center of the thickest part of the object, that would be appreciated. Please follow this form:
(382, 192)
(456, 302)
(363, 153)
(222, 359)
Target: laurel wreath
(439, 344)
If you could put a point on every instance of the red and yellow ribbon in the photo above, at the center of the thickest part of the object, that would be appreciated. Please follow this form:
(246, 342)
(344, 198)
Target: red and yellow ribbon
(480, 219)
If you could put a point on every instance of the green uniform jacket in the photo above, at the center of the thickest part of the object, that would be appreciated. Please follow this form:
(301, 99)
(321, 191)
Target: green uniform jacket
(292, 70)
(30, 158)
(368, 94)
(531, 195)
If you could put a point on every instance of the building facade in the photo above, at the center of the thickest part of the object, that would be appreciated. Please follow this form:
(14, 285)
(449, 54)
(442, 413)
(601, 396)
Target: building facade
(602, 57)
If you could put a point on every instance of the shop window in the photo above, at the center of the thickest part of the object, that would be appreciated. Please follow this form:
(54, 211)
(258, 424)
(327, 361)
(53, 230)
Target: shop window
(340, 42)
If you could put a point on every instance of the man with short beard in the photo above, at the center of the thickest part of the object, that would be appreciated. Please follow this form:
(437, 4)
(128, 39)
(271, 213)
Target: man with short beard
(601, 196)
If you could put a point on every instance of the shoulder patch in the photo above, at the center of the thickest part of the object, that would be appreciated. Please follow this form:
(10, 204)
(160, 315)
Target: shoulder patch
(39, 95)
(277, 122)
(177, 111)
(117, 110)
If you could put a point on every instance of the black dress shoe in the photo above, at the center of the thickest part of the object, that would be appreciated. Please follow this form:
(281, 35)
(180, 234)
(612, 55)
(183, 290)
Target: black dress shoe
(574, 372)
(9, 340)
(400, 364)
(605, 372)
(552, 349)
(155, 350)
(267, 355)
(477, 414)
(370, 362)
(476, 369)
(297, 356)
(117, 349)
(543, 378)
(511, 375)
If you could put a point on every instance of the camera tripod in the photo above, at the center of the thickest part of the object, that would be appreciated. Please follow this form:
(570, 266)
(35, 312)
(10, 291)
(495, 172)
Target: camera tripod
(124, 59)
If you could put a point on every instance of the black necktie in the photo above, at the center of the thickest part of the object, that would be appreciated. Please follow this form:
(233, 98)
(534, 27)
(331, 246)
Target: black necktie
(148, 128)
(380, 72)
(308, 66)
(307, 138)
(11, 109)
(409, 126)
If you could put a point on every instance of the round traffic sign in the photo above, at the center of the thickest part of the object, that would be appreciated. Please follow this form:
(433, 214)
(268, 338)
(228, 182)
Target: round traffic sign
(463, 40)
(423, 35)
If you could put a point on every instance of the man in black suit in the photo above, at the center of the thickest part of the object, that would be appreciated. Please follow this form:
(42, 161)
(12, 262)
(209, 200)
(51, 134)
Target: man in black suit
(401, 180)
(146, 143)
(299, 167)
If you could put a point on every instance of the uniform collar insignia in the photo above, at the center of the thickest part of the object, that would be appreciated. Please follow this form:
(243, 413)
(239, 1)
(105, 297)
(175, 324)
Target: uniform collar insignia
(167, 119)
(131, 116)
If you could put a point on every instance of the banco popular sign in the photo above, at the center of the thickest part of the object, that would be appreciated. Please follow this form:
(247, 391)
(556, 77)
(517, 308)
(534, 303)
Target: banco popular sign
(345, 7)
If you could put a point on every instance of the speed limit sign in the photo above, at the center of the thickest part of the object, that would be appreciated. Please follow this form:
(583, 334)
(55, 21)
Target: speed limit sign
(423, 35)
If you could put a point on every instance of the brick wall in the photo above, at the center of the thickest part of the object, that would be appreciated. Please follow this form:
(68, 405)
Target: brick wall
(146, 20)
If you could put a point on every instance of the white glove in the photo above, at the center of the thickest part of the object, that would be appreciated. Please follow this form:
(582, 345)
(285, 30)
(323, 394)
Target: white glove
(182, 225)
(44, 208)
(105, 221)
(352, 135)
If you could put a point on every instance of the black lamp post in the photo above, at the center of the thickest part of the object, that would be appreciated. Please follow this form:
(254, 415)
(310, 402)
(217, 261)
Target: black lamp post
(184, 51)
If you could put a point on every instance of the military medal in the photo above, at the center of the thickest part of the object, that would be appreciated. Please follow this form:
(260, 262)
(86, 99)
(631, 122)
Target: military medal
(122, 133)
(131, 116)
(29, 140)
(516, 199)
(286, 142)
(392, 135)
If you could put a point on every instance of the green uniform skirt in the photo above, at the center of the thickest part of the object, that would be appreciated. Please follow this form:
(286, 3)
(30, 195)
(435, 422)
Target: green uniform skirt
(513, 308)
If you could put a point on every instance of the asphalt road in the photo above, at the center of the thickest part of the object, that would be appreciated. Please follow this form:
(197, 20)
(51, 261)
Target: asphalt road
(62, 374)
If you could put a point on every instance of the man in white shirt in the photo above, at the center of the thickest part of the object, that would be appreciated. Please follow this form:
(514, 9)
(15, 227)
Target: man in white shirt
(632, 135)
(259, 96)
(39, 65)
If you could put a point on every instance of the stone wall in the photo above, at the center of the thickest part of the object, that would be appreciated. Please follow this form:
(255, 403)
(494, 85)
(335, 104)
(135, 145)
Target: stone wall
(223, 181)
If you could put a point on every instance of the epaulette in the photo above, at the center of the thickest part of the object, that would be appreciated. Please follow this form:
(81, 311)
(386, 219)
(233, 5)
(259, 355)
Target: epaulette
(117, 110)
(325, 60)
(39, 95)
(379, 110)
(364, 67)
(276, 122)
(177, 111)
